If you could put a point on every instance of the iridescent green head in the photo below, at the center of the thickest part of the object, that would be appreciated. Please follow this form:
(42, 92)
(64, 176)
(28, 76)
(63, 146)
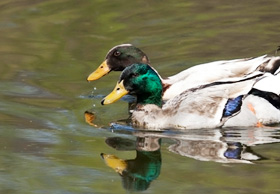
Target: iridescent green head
(139, 80)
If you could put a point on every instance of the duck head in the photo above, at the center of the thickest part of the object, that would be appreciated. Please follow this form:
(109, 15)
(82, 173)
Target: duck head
(117, 59)
(139, 80)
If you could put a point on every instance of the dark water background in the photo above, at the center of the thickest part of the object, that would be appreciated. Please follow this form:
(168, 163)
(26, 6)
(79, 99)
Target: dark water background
(47, 49)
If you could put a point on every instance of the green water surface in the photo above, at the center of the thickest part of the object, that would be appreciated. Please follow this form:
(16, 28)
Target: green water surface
(48, 48)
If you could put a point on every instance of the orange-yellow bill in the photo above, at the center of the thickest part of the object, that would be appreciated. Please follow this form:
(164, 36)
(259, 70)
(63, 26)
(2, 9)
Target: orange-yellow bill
(102, 70)
(89, 118)
(118, 92)
(114, 162)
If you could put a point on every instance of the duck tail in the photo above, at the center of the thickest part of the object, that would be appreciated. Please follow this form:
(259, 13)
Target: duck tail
(272, 65)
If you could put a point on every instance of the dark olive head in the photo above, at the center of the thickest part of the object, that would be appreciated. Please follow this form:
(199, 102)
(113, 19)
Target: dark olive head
(117, 59)
(122, 56)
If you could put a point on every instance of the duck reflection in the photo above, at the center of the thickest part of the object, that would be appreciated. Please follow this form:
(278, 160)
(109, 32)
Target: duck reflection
(138, 173)
(227, 145)
(224, 146)
(216, 145)
(225, 152)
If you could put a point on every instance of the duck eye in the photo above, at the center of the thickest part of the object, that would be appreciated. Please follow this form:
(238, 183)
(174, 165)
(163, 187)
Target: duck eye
(134, 75)
(117, 53)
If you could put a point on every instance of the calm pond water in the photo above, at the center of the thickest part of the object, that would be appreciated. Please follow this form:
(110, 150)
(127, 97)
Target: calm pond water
(47, 50)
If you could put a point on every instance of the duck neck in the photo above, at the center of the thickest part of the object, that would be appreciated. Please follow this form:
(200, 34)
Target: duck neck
(145, 83)
(147, 98)
(151, 93)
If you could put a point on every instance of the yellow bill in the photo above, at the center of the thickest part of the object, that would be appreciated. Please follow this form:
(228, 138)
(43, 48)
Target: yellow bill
(102, 70)
(114, 162)
(89, 118)
(118, 92)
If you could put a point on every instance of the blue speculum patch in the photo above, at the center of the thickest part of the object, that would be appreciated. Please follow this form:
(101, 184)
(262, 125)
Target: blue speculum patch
(232, 106)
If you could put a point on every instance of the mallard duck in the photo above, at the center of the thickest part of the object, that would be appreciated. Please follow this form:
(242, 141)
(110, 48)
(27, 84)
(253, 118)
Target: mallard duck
(247, 101)
(122, 56)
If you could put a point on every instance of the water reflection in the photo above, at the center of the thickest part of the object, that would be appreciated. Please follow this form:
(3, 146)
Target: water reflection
(218, 151)
(138, 173)
(217, 145)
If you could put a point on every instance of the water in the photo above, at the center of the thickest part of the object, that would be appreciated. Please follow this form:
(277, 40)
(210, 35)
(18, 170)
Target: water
(47, 50)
